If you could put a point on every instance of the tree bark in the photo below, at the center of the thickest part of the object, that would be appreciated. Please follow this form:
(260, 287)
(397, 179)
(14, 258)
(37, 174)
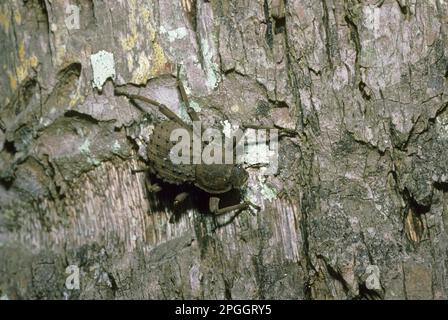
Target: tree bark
(358, 209)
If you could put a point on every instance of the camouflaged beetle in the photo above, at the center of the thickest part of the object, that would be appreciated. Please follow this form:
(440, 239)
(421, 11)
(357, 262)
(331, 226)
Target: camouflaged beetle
(212, 178)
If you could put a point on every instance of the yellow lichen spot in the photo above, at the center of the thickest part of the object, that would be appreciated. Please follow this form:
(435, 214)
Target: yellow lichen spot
(129, 42)
(22, 51)
(159, 59)
(60, 55)
(235, 108)
(22, 69)
(17, 17)
(145, 16)
(4, 21)
(12, 81)
(143, 72)
(73, 101)
(34, 62)
(22, 72)
(152, 35)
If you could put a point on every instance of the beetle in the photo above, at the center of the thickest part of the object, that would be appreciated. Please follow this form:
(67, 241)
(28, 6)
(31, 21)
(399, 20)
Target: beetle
(214, 179)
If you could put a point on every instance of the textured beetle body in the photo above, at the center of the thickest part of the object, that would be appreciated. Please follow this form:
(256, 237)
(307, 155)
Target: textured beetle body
(213, 178)
(159, 148)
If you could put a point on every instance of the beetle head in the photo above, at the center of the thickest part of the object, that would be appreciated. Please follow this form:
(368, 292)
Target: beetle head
(220, 178)
(238, 177)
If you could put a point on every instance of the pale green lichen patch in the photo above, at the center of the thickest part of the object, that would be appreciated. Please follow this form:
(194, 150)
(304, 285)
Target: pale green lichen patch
(103, 66)
(85, 150)
(85, 147)
(268, 193)
(93, 161)
(227, 128)
(175, 34)
(196, 107)
(211, 67)
(442, 125)
(183, 114)
(116, 147)
(258, 190)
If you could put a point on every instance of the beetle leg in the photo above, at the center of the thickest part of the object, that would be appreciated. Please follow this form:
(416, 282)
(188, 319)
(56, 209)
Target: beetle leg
(180, 198)
(282, 131)
(152, 188)
(191, 112)
(177, 201)
(186, 4)
(214, 206)
(138, 171)
(160, 106)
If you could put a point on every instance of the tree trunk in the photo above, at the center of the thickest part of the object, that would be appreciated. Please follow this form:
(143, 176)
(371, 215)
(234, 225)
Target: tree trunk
(357, 209)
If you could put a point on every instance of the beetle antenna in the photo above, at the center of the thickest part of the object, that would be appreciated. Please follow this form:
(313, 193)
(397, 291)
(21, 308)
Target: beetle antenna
(134, 171)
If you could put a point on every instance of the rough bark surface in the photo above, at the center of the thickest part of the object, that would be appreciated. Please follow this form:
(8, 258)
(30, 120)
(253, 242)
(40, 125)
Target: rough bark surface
(358, 209)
